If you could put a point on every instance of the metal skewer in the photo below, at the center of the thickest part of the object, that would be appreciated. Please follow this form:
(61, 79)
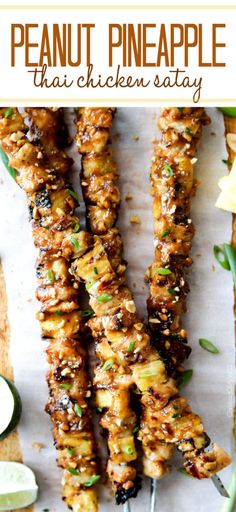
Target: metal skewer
(126, 507)
(219, 486)
(153, 495)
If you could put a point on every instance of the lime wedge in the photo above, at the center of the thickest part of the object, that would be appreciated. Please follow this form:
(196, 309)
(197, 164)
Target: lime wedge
(18, 487)
(10, 407)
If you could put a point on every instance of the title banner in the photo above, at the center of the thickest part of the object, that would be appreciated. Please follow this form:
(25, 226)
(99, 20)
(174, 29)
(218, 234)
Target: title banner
(134, 55)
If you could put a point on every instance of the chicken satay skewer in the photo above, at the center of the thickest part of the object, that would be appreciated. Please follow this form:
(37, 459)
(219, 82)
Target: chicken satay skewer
(52, 204)
(172, 185)
(81, 268)
(95, 164)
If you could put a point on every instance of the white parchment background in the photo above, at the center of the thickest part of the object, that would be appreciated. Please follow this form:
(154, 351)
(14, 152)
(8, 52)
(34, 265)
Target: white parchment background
(209, 307)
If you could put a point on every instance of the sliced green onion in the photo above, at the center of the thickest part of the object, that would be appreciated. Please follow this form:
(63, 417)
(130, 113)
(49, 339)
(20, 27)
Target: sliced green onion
(227, 162)
(73, 194)
(187, 131)
(231, 256)
(221, 257)
(208, 345)
(51, 276)
(95, 270)
(99, 409)
(78, 410)
(127, 449)
(165, 233)
(131, 346)
(163, 271)
(76, 228)
(90, 283)
(73, 471)
(175, 415)
(148, 374)
(180, 108)
(135, 429)
(5, 161)
(183, 471)
(107, 365)
(184, 378)
(105, 297)
(58, 313)
(8, 112)
(65, 386)
(92, 480)
(87, 312)
(168, 169)
(85, 438)
(75, 243)
(172, 291)
(71, 451)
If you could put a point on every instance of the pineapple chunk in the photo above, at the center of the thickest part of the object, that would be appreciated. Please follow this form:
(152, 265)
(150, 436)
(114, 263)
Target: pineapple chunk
(148, 375)
(122, 449)
(103, 398)
(83, 501)
(64, 326)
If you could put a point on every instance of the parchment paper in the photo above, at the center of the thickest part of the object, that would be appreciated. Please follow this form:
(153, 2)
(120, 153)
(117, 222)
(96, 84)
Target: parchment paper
(209, 307)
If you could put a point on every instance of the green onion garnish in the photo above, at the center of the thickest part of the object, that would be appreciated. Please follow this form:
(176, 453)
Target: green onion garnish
(71, 451)
(168, 169)
(221, 257)
(78, 410)
(8, 112)
(75, 243)
(58, 313)
(208, 345)
(107, 365)
(172, 291)
(87, 312)
(95, 270)
(183, 471)
(73, 471)
(5, 161)
(90, 283)
(135, 429)
(65, 386)
(163, 271)
(99, 409)
(105, 297)
(165, 233)
(73, 194)
(184, 378)
(180, 108)
(92, 480)
(188, 131)
(51, 276)
(231, 256)
(131, 346)
(76, 228)
(175, 415)
(127, 449)
(227, 162)
(148, 374)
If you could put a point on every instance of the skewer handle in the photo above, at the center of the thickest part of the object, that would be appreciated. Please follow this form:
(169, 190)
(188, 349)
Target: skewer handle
(126, 507)
(153, 496)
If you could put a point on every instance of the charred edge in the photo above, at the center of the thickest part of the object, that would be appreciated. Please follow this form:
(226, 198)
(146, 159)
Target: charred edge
(122, 495)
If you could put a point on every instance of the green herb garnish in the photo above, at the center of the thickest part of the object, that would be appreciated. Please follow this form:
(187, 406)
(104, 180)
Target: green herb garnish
(183, 471)
(87, 312)
(71, 451)
(90, 283)
(188, 131)
(76, 228)
(165, 233)
(148, 374)
(231, 256)
(208, 345)
(75, 243)
(58, 313)
(184, 378)
(99, 409)
(5, 161)
(105, 297)
(73, 194)
(227, 162)
(92, 480)
(51, 276)
(78, 410)
(163, 271)
(65, 386)
(175, 415)
(172, 291)
(135, 429)
(73, 471)
(221, 257)
(8, 113)
(107, 365)
(180, 108)
(168, 169)
(95, 270)
(131, 346)
(127, 449)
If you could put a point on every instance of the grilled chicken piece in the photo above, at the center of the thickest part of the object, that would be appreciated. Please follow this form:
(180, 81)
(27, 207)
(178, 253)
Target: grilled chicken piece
(115, 309)
(172, 185)
(41, 166)
(165, 414)
(102, 199)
